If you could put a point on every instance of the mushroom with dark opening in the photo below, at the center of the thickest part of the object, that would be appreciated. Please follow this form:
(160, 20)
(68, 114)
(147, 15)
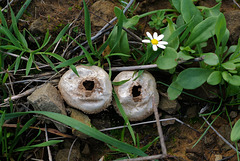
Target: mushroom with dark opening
(91, 92)
(138, 97)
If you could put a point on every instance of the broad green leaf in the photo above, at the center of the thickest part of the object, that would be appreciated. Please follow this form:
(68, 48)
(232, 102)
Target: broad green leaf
(235, 133)
(177, 4)
(170, 29)
(229, 65)
(168, 60)
(210, 58)
(189, 11)
(231, 79)
(87, 25)
(236, 53)
(193, 78)
(220, 28)
(174, 90)
(214, 78)
(83, 128)
(202, 32)
(214, 11)
(183, 56)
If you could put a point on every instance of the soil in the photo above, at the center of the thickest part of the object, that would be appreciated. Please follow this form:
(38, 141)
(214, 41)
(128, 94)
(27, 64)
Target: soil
(53, 15)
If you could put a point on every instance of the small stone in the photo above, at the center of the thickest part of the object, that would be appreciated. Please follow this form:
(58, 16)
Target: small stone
(47, 98)
(192, 112)
(78, 115)
(169, 122)
(86, 150)
(169, 106)
(218, 157)
(233, 114)
(62, 155)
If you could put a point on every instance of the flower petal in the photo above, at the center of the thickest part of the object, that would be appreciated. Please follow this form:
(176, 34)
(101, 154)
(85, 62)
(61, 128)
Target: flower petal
(146, 41)
(160, 37)
(162, 42)
(149, 35)
(155, 35)
(161, 46)
(155, 47)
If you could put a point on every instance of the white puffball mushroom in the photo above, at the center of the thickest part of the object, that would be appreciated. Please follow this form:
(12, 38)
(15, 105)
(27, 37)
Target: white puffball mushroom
(91, 92)
(137, 97)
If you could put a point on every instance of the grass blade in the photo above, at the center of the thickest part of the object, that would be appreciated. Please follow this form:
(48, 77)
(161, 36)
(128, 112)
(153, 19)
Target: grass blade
(83, 128)
(29, 63)
(88, 26)
(124, 117)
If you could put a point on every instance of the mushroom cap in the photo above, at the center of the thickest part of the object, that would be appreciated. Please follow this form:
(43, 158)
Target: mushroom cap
(91, 92)
(137, 97)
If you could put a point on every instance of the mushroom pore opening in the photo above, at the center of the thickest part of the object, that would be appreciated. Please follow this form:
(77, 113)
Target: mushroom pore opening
(136, 91)
(88, 85)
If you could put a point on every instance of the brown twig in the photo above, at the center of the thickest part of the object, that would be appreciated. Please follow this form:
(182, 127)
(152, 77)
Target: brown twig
(159, 127)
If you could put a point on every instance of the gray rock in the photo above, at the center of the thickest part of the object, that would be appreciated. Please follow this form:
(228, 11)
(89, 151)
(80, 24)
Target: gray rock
(233, 114)
(78, 115)
(47, 98)
(233, 25)
(169, 106)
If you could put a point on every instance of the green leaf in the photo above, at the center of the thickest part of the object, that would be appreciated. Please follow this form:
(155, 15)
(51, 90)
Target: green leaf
(214, 78)
(29, 63)
(3, 20)
(17, 62)
(124, 117)
(168, 60)
(177, 4)
(11, 37)
(83, 128)
(214, 11)
(189, 11)
(183, 56)
(220, 28)
(17, 32)
(202, 32)
(231, 79)
(210, 58)
(174, 90)
(170, 29)
(44, 144)
(120, 83)
(193, 78)
(235, 133)
(229, 65)
(70, 61)
(88, 26)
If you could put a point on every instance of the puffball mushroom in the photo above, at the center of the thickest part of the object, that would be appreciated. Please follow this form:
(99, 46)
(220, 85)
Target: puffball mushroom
(137, 97)
(90, 92)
